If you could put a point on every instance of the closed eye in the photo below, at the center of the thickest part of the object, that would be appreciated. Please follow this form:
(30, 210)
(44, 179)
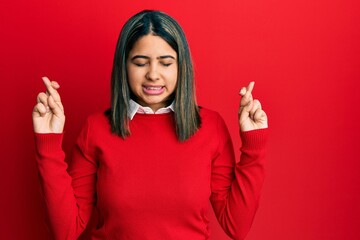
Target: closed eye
(140, 64)
(166, 64)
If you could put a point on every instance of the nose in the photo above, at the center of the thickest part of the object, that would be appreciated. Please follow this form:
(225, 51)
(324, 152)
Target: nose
(152, 73)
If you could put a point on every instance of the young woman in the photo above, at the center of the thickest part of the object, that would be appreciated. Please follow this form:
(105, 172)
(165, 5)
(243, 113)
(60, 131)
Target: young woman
(147, 167)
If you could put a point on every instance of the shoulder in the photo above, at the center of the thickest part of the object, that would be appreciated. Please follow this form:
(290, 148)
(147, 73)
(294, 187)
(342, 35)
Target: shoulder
(210, 116)
(212, 122)
(207, 114)
(98, 121)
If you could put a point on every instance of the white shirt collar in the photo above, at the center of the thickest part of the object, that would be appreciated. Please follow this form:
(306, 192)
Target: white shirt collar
(134, 108)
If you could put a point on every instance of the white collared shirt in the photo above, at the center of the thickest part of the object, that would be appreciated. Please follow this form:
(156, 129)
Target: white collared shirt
(137, 108)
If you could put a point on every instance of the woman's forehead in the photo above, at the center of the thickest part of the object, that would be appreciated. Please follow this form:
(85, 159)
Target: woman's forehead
(152, 46)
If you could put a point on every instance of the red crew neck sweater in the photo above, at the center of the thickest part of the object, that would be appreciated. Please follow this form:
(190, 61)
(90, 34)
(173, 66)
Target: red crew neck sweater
(151, 186)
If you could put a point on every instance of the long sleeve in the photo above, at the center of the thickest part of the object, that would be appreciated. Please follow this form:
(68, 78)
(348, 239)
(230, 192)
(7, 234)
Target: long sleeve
(69, 198)
(236, 186)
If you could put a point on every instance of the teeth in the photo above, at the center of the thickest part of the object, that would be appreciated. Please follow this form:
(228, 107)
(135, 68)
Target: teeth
(153, 88)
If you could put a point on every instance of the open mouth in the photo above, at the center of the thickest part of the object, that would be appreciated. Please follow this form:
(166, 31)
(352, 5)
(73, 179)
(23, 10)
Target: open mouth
(153, 90)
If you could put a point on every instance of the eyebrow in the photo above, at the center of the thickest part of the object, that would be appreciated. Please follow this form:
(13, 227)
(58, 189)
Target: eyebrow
(146, 57)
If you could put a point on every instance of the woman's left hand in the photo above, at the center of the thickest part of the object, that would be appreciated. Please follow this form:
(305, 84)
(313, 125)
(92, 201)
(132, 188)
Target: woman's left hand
(251, 116)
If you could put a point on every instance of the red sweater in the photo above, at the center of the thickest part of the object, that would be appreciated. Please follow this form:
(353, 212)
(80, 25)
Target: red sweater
(151, 186)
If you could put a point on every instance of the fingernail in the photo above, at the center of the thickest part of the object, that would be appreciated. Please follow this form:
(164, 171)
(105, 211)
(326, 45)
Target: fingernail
(55, 84)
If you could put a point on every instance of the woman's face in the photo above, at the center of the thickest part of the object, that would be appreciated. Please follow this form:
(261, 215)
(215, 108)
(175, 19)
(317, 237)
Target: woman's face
(152, 71)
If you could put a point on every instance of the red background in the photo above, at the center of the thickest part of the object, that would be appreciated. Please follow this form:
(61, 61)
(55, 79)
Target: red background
(303, 55)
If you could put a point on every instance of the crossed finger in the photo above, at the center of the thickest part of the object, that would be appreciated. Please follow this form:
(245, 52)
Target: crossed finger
(51, 87)
(246, 93)
(248, 89)
(52, 93)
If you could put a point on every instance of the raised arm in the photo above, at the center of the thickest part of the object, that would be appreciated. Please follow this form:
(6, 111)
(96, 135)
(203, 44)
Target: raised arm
(69, 199)
(236, 186)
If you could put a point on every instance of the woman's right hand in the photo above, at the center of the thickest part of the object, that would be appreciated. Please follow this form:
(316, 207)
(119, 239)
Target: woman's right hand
(48, 114)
